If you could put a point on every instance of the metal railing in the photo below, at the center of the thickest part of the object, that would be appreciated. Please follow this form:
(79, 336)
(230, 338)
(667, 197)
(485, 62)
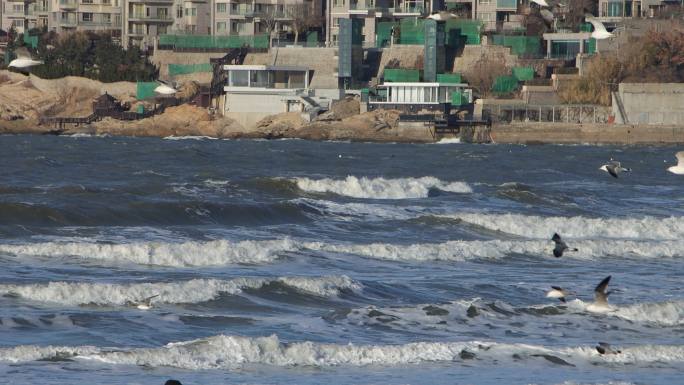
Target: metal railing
(558, 113)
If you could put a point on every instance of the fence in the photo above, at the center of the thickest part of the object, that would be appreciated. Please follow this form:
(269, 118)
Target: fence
(209, 43)
(562, 113)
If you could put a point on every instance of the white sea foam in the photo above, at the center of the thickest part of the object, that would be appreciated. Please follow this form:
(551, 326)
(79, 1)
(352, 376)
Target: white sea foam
(449, 141)
(226, 352)
(192, 291)
(366, 211)
(497, 249)
(219, 252)
(381, 188)
(190, 137)
(577, 227)
(670, 313)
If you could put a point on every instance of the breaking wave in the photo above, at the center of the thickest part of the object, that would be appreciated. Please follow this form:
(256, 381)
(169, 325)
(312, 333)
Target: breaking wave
(218, 252)
(670, 313)
(381, 188)
(227, 352)
(577, 227)
(193, 291)
(497, 249)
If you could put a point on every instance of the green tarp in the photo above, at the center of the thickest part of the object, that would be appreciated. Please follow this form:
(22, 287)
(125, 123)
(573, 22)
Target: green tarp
(505, 84)
(458, 99)
(591, 46)
(520, 45)
(412, 32)
(466, 29)
(182, 69)
(523, 73)
(31, 41)
(400, 75)
(449, 78)
(145, 90)
(213, 42)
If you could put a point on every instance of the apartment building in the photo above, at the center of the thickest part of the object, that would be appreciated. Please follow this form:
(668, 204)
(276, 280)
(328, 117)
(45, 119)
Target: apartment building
(79, 15)
(24, 15)
(252, 17)
(496, 15)
(373, 11)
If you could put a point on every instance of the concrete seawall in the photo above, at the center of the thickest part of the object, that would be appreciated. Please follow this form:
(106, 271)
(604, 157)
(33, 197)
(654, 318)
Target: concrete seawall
(530, 133)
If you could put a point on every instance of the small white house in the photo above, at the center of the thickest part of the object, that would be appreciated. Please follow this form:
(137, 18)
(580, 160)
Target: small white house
(417, 96)
(253, 92)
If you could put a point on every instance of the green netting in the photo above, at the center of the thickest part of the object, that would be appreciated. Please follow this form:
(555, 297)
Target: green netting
(458, 98)
(182, 69)
(312, 39)
(523, 73)
(383, 33)
(213, 42)
(520, 45)
(585, 27)
(412, 32)
(449, 78)
(505, 84)
(31, 41)
(463, 29)
(591, 46)
(145, 90)
(401, 75)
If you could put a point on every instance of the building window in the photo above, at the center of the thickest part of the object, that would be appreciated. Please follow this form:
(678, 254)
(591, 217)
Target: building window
(237, 27)
(190, 11)
(338, 3)
(106, 18)
(86, 1)
(485, 16)
(221, 26)
(179, 12)
(221, 7)
(336, 22)
(162, 13)
(484, 1)
(162, 29)
(18, 8)
(87, 17)
(106, 2)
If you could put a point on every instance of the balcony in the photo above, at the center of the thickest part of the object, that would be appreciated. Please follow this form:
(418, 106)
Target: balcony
(96, 22)
(68, 4)
(408, 10)
(245, 10)
(506, 5)
(70, 22)
(361, 7)
(151, 18)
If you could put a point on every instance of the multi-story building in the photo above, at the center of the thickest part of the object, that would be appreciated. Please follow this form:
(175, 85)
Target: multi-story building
(373, 11)
(496, 15)
(79, 15)
(24, 15)
(252, 17)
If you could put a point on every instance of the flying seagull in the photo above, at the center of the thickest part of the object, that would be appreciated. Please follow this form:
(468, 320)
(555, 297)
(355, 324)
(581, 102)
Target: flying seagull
(600, 304)
(560, 246)
(600, 31)
(442, 16)
(679, 168)
(541, 3)
(614, 168)
(145, 304)
(24, 62)
(558, 292)
(605, 348)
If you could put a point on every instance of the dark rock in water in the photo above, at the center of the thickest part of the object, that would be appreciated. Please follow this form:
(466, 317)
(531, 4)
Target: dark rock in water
(59, 357)
(554, 359)
(172, 382)
(472, 311)
(375, 313)
(466, 355)
(434, 310)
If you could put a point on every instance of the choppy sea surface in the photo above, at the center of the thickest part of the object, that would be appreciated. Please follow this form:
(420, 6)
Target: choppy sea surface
(318, 262)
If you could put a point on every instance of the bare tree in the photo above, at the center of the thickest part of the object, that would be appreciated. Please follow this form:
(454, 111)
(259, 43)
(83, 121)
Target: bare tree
(485, 71)
(302, 18)
(269, 20)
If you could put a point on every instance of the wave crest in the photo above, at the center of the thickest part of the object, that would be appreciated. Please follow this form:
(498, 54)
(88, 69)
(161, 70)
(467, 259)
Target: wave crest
(193, 291)
(381, 188)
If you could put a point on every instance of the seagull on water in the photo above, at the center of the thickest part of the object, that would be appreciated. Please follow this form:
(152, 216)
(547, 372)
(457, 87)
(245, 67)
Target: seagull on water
(600, 31)
(145, 304)
(605, 348)
(614, 168)
(601, 304)
(442, 16)
(558, 292)
(679, 168)
(560, 247)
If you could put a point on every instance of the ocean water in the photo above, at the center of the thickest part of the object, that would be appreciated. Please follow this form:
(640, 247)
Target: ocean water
(301, 262)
